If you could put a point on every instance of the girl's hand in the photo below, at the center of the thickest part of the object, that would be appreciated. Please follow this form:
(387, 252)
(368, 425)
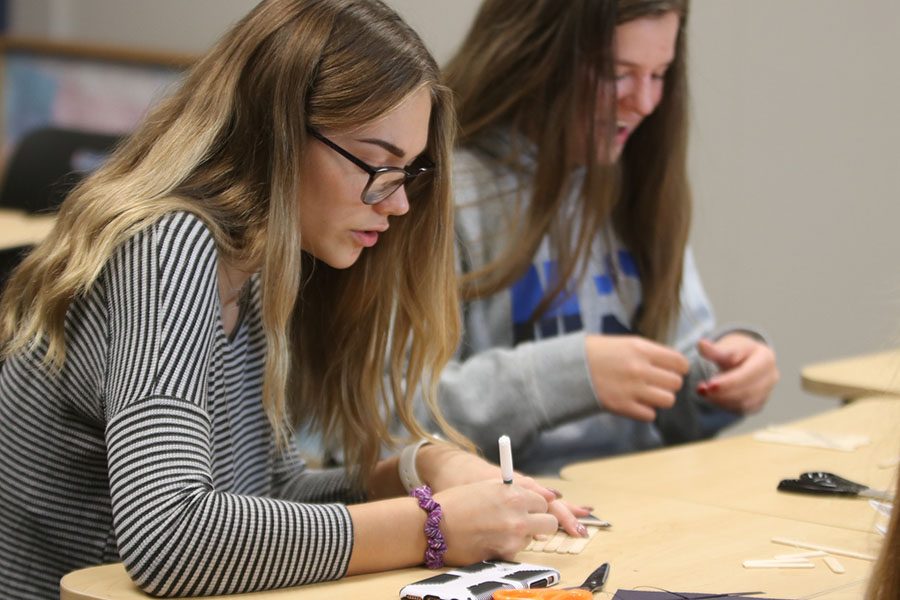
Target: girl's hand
(748, 373)
(491, 519)
(443, 466)
(632, 376)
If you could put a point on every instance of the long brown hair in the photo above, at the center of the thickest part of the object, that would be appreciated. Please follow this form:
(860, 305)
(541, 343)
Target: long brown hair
(884, 583)
(227, 146)
(532, 68)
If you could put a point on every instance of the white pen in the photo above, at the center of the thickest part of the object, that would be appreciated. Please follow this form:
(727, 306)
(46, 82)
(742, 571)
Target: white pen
(506, 464)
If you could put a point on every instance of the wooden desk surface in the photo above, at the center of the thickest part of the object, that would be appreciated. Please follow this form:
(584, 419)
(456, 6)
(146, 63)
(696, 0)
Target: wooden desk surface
(20, 229)
(850, 378)
(683, 519)
(654, 541)
(741, 473)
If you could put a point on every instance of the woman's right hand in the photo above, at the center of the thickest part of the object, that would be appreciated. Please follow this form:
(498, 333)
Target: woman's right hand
(633, 376)
(491, 519)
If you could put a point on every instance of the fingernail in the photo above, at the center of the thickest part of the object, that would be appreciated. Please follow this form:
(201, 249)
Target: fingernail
(713, 387)
(555, 492)
(702, 389)
(541, 537)
(582, 530)
(589, 509)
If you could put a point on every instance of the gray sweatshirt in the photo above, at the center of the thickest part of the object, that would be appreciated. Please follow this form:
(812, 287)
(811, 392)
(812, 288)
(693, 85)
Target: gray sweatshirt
(530, 380)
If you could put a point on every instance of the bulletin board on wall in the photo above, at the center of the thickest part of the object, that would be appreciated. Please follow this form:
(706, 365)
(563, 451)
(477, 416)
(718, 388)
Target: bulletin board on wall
(79, 86)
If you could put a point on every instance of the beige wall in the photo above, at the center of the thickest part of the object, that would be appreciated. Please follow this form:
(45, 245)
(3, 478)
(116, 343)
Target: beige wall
(192, 25)
(794, 153)
(796, 169)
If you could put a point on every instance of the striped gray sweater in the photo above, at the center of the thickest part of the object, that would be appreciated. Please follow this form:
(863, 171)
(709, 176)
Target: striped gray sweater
(150, 446)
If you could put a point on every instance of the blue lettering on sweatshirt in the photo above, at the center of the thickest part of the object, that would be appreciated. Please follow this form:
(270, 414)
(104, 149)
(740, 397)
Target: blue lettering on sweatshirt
(564, 313)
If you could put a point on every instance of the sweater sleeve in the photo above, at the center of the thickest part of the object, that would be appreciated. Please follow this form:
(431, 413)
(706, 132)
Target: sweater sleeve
(517, 391)
(294, 481)
(177, 534)
(693, 417)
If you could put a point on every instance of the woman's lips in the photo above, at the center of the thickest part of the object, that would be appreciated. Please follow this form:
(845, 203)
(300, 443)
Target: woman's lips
(367, 239)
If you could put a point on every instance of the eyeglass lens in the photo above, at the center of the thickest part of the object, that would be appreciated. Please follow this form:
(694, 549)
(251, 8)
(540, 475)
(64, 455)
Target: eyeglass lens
(383, 185)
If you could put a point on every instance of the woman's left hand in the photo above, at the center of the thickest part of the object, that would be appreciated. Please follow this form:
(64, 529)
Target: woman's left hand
(443, 466)
(747, 373)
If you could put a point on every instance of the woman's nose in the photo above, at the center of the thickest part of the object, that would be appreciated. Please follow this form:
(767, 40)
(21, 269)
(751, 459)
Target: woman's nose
(394, 205)
(645, 96)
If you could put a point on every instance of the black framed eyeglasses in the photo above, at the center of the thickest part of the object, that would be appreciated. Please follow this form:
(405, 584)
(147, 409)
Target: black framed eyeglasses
(383, 181)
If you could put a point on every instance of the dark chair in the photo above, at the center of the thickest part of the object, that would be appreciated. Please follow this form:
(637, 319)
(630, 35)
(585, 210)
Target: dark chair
(9, 258)
(47, 163)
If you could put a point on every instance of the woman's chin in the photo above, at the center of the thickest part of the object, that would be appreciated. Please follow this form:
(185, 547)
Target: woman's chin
(344, 260)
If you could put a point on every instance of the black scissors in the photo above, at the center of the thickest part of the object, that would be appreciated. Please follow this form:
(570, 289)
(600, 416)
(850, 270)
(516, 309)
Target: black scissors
(818, 482)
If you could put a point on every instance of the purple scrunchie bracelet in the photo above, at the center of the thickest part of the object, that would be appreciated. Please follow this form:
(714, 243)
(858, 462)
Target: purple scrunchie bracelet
(434, 553)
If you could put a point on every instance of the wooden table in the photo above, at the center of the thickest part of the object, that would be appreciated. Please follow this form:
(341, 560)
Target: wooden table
(741, 473)
(21, 229)
(851, 378)
(683, 519)
(654, 541)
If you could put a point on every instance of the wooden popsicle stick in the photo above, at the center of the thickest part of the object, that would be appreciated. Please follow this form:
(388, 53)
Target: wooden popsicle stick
(801, 555)
(555, 541)
(828, 549)
(835, 565)
(778, 564)
(537, 545)
(580, 544)
(567, 544)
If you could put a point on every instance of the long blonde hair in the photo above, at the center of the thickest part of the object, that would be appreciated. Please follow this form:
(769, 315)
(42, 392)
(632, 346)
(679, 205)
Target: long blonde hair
(534, 67)
(227, 146)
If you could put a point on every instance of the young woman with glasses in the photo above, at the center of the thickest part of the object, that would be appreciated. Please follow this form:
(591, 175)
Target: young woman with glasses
(237, 268)
(587, 331)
